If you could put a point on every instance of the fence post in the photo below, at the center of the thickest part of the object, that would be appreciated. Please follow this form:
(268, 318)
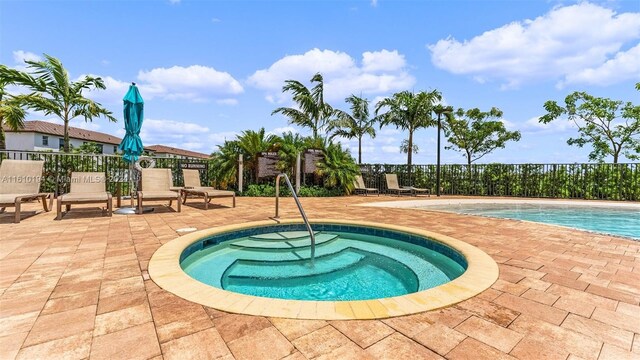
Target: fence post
(298, 173)
(240, 173)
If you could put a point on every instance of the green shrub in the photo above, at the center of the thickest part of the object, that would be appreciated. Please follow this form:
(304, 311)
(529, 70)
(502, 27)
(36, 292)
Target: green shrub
(267, 190)
(319, 191)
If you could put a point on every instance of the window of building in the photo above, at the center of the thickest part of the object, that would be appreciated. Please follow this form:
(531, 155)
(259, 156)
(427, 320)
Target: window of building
(61, 143)
(45, 140)
(115, 149)
(100, 148)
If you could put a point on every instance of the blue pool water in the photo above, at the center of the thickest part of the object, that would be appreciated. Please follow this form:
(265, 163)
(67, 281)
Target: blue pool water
(607, 220)
(349, 264)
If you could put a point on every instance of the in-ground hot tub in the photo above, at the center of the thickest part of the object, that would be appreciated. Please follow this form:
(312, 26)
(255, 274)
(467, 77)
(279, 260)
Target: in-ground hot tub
(360, 271)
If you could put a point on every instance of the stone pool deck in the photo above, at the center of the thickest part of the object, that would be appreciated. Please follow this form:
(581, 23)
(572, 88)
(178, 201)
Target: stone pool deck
(79, 288)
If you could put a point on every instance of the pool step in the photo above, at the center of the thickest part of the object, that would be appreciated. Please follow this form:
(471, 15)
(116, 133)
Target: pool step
(282, 244)
(272, 270)
(283, 235)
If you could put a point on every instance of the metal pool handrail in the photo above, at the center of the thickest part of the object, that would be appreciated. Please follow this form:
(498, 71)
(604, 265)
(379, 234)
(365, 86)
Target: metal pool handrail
(304, 215)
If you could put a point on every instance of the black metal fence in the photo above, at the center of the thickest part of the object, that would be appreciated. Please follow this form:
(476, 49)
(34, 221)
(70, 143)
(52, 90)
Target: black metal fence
(59, 166)
(582, 181)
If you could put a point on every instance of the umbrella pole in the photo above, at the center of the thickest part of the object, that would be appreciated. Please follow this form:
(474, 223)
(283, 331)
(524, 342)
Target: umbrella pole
(131, 183)
(130, 210)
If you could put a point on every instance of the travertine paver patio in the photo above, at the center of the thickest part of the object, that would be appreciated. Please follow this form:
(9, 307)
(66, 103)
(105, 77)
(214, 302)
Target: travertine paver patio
(78, 288)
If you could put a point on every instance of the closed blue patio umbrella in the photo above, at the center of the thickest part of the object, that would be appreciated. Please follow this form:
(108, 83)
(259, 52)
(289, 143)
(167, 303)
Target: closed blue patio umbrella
(131, 144)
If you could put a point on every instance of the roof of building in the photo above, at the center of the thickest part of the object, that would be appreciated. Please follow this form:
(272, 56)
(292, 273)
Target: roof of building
(45, 127)
(175, 151)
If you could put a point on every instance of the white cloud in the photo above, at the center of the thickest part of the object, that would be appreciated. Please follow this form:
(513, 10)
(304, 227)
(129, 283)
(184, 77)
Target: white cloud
(215, 20)
(558, 45)
(383, 60)
(20, 56)
(219, 138)
(625, 65)
(174, 1)
(381, 72)
(281, 130)
(374, 3)
(195, 83)
(534, 125)
(171, 126)
(181, 134)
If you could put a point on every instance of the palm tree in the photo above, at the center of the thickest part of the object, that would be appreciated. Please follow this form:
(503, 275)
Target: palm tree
(12, 113)
(224, 163)
(408, 111)
(447, 111)
(354, 125)
(312, 111)
(54, 93)
(338, 168)
(252, 143)
(289, 146)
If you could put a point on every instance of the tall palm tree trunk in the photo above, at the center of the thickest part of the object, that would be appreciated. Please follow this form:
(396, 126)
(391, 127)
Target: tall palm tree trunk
(66, 136)
(359, 150)
(409, 154)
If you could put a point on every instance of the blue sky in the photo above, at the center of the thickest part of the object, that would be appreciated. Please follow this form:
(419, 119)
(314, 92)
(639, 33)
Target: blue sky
(208, 70)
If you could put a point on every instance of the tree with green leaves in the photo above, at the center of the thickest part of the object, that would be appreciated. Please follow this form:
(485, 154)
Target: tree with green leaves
(12, 113)
(289, 146)
(612, 127)
(312, 112)
(338, 168)
(224, 164)
(477, 133)
(53, 92)
(408, 111)
(88, 148)
(354, 125)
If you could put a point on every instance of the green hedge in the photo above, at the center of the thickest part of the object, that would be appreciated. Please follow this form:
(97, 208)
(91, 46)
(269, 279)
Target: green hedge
(266, 190)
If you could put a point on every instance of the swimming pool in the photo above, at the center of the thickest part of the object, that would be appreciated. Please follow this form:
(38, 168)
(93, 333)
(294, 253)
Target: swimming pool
(620, 219)
(361, 270)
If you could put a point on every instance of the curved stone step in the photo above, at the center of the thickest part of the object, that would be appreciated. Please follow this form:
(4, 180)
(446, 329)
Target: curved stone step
(284, 235)
(282, 244)
(293, 269)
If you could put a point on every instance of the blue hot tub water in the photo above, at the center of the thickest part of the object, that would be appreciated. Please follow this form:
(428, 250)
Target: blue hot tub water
(352, 262)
